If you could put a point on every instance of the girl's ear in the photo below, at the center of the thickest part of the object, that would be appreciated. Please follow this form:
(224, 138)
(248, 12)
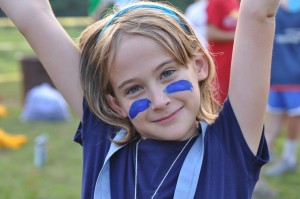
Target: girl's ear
(200, 63)
(114, 105)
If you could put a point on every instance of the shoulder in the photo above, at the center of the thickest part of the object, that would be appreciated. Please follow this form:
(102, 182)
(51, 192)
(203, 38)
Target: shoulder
(226, 132)
(93, 130)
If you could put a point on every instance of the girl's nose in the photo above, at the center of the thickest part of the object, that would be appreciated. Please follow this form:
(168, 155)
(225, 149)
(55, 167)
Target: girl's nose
(159, 99)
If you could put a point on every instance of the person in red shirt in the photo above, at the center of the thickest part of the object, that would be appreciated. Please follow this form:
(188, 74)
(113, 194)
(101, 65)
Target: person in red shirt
(222, 18)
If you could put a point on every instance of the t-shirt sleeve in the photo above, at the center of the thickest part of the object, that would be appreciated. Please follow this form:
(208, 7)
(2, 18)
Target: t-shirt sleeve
(94, 136)
(215, 12)
(92, 127)
(229, 133)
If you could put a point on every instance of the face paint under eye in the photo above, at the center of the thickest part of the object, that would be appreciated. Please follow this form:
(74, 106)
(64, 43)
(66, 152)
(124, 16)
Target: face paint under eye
(138, 106)
(181, 85)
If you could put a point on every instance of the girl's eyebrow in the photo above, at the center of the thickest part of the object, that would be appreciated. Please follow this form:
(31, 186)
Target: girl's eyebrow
(163, 64)
(156, 69)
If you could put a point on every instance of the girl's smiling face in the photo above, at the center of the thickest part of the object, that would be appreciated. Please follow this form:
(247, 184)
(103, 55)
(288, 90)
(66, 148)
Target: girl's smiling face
(160, 96)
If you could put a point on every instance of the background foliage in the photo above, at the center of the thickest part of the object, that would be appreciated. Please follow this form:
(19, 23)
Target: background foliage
(79, 7)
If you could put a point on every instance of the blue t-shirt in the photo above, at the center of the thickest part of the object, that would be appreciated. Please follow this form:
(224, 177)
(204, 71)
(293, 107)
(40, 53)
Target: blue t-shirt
(229, 169)
(286, 52)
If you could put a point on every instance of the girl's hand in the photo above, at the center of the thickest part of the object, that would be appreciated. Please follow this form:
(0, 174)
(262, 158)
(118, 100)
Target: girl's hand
(261, 8)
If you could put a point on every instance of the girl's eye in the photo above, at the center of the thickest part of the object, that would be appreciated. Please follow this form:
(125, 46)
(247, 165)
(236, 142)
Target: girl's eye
(133, 89)
(167, 73)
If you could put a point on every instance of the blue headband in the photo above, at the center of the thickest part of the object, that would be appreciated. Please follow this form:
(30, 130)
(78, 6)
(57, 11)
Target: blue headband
(157, 7)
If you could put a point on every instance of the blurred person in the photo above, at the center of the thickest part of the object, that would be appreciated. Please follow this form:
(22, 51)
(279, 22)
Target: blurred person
(284, 99)
(222, 16)
(196, 14)
(104, 5)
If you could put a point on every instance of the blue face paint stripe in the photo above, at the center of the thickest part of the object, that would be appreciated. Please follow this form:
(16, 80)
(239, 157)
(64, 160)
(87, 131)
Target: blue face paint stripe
(178, 86)
(138, 106)
(143, 104)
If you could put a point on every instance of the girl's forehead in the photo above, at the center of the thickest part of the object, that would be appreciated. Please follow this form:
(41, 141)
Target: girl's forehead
(137, 56)
(135, 49)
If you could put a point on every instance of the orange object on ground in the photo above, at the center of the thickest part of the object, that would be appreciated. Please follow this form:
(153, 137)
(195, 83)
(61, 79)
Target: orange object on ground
(11, 141)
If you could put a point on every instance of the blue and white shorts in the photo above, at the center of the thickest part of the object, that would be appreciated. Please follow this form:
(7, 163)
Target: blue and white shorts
(284, 102)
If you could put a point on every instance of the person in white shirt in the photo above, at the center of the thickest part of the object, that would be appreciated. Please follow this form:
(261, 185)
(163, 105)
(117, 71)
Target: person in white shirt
(196, 13)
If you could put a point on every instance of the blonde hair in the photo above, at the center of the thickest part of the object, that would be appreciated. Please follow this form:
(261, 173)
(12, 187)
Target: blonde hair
(100, 40)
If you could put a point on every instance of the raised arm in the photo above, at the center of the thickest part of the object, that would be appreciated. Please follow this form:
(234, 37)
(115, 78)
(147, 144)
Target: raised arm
(251, 64)
(216, 34)
(55, 49)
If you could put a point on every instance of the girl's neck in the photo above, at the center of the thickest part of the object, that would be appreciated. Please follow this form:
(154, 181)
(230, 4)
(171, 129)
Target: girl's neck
(192, 133)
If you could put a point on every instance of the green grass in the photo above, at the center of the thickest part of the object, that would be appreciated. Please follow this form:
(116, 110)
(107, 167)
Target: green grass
(287, 186)
(60, 178)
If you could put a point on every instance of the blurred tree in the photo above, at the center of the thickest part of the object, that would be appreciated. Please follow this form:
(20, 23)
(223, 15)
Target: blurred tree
(80, 7)
(182, 5)
(69, 7)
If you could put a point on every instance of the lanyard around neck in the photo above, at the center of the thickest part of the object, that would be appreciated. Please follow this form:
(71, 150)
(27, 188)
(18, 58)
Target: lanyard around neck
(188, 177)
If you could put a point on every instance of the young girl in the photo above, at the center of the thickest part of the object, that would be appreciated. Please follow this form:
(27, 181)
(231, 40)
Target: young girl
(145, 83)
